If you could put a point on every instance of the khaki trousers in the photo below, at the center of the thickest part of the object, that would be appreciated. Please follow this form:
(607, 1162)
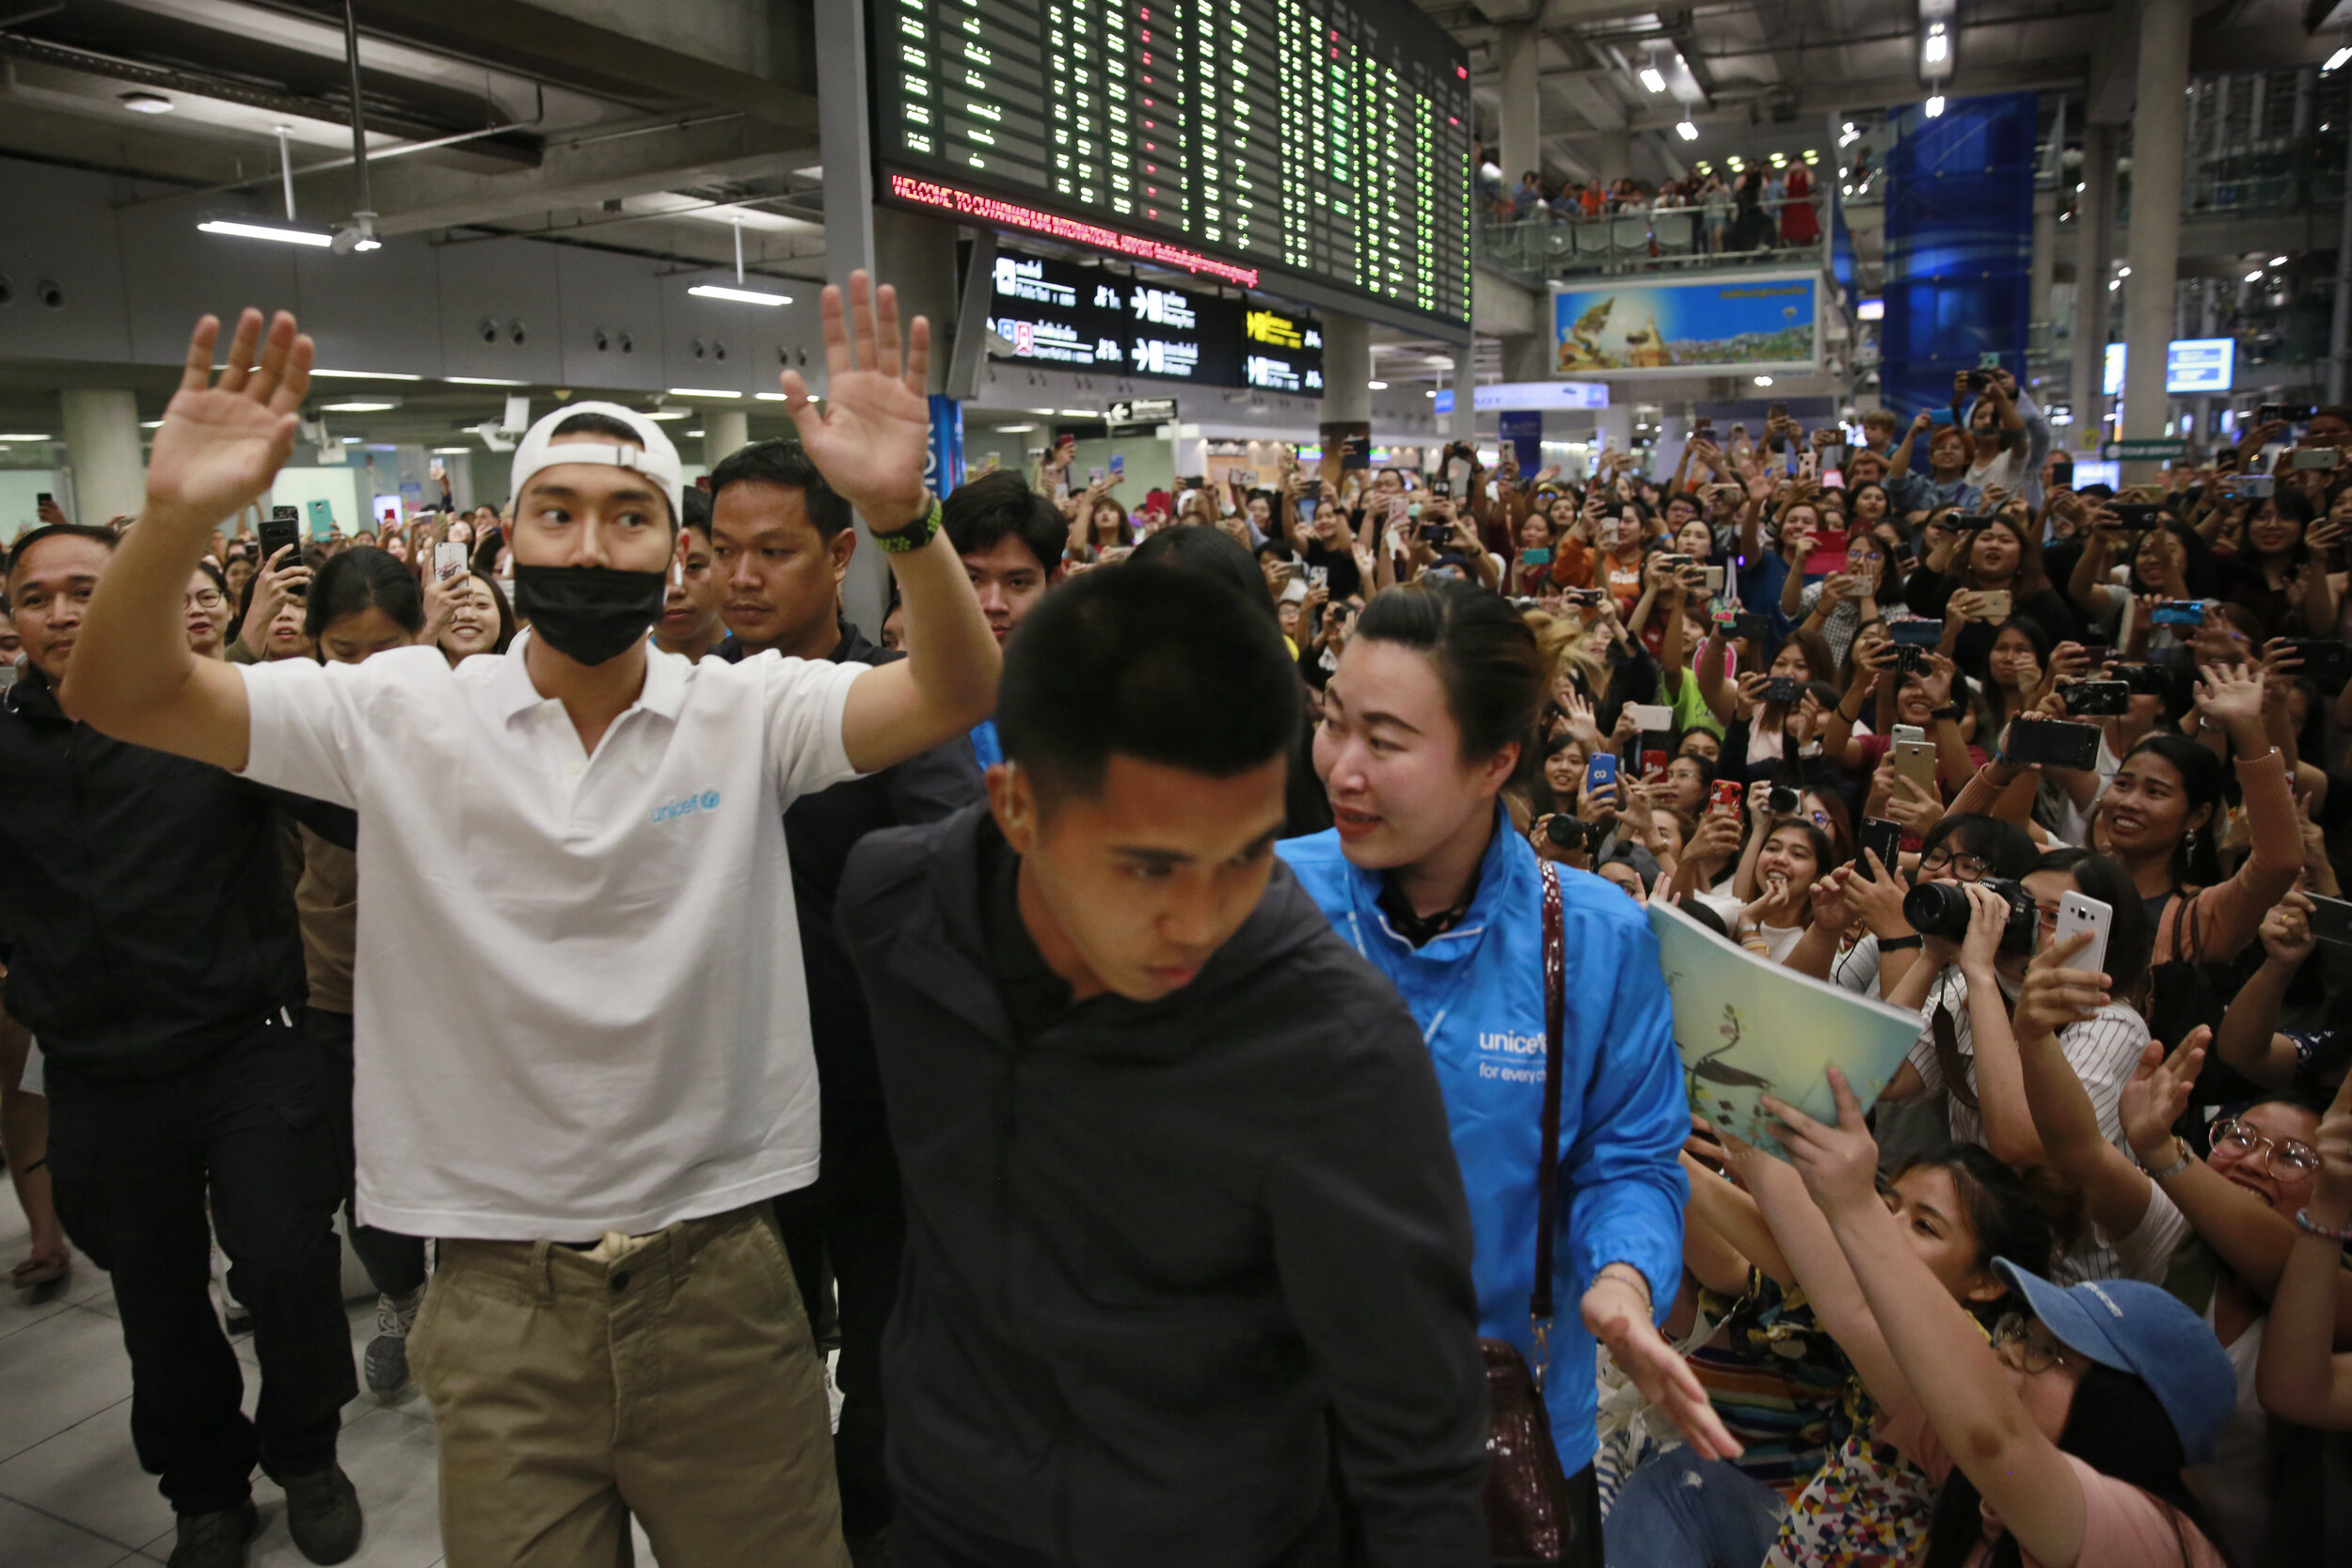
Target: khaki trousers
(678, 1383)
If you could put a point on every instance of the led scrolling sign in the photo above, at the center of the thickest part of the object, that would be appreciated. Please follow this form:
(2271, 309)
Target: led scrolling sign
(1248, 141)
(1048, 311)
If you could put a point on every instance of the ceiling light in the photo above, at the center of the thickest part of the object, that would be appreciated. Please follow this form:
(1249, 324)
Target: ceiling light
(2278, 261)
(2113, 284)
(268, 228)
(1014, 429)
(150, 425)
(1080, 414)
(358, 406)
(668, 413)
(371, 376)
(1377, 386)
(453, 451)
(1652, 80)
(1935, 106)
(701, 392)
(351, 440)
(769, 397)
(1431, 393)
(741, 296)
(2254, 277)
(694, 433)
(140, 103)
(1763, 381)
(1938, 47)
(2336, 61)
(479, 381)
(1686, 131)
(2123, 271)
(19, 436)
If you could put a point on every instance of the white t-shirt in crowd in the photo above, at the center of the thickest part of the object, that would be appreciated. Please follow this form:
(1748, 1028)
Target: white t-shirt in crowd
(579, 1000)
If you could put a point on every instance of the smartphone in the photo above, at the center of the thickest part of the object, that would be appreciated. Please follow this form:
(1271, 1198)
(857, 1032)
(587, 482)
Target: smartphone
(2269, 413)
(1785, 689)
(1399, 509)
(2062, 473)
(2327, 662)
(1911, 733)
(1916, 760)
(2078, 914)
(2331, 920)
(1601, 774)
(2254, 487)
(1808, 465)
(1653, 717)
(43, 498)
(1536, 555)
(1118, 465)
(1939, 416)
(1778, 411)
(1989, 359)
(1726, 795)
(2180, 612)
(2054, 742)
(1703, 429)
(1442, 487)
(1882, 838)
(2312, 457)
(1996, 606)
(1318, 576)
(448, 560)
(1245, 478)
(1714, 580)
(281, 530)
(1916, 632)
(1748, 627)
(2097, 699)
(1653, 765)
(1828, 554)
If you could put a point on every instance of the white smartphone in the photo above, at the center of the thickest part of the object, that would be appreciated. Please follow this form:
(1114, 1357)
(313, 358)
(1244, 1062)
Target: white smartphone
(448, 560)
(1653, 717)
(1911, 733)
(2076, 914)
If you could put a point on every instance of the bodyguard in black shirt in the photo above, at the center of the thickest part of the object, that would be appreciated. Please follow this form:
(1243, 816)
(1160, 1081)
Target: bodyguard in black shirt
(159, 963)
(1187, 1267)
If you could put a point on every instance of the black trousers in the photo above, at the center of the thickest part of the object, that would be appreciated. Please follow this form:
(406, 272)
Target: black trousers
(851, 1218)
(395, 1263)
(135, 1162)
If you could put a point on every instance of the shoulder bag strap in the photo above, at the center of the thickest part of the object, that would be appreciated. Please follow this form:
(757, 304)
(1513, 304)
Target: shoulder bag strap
(1539, 1304)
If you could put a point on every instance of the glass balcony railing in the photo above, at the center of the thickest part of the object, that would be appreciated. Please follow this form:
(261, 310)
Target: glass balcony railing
(1791, 232)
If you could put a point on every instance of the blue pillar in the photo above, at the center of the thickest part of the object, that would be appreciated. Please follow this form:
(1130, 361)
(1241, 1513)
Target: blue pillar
(1959, 246)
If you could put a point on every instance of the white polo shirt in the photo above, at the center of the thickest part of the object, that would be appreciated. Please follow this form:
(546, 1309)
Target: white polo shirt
(578, 1003)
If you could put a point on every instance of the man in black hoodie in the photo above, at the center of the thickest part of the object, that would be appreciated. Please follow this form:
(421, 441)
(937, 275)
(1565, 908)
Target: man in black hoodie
(1188, 1265)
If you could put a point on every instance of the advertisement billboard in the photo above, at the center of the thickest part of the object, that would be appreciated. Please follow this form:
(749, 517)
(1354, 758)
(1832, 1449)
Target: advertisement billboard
(2191, 365)
(1763, 322)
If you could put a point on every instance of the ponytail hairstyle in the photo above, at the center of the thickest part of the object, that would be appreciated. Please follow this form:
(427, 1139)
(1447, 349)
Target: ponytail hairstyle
(2202, 783)
(2119, 1428)
(1495, 673)
(360, 579)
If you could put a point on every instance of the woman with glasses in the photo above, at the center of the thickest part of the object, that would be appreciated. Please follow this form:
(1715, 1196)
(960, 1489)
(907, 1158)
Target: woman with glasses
(207, 611)
(2218, 1230)
(1837, 605)
(2062, 1441)
(2299, 1380)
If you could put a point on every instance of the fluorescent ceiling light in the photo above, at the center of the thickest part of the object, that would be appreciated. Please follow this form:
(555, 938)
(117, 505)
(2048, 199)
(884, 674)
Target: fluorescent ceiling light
(1652, 80)
(741, 296)
(691, 433)
(358, 406)
(1432, 393)
(1080, 414)
(453, 451)
(2335, 61)
(1377, 386)
(368, 375)
(1014, 429)
(268, 228)
(480, 381)
(2254, 277)
(150, 425)
(668, 413)
(141, 102)
(771, 397)
(1938, 47)
(1686, 131)
(2123, 271)
(351, 440)
(1935, 106)
(1763, 381)
(701, 392)
(2278, 261)
(23, 437)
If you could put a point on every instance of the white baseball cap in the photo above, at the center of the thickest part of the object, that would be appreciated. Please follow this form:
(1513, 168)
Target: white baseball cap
(658, 460)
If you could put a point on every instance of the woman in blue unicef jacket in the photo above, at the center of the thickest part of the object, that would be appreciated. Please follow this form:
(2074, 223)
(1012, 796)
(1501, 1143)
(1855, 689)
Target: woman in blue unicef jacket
(1432, 711)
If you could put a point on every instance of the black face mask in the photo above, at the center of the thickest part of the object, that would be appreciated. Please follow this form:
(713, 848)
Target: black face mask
(589, 613)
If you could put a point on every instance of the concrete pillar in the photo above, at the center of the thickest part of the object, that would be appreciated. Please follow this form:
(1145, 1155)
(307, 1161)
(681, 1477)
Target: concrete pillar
(2155, 229)
(1521, 146)
(2044, 267)
(1346, 369)
(102, 450)
(2094, 221)
(724, 432)
(1466, 393)
(1528, 357)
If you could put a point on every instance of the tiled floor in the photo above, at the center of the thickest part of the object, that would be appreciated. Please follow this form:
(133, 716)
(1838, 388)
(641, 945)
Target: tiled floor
(72, 1492)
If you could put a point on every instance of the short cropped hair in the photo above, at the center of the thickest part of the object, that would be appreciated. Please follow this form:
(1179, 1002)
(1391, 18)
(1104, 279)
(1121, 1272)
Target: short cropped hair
(979, 514)
(588, 422)
(106, 536)
(786, 465)
(697, 509)
(1169, 667)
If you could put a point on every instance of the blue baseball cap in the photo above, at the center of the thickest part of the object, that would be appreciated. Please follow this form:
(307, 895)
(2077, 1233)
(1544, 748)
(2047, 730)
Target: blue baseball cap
(2141, 1329)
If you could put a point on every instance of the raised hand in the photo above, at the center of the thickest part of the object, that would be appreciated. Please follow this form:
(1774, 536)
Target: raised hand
(2157, 1093)
(222, 444)
(2055, 993)
(1839, 1162)
(872, 436)
(1616, 1315)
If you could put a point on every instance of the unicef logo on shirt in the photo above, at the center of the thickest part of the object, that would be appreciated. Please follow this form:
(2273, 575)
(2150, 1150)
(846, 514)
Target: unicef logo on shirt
(687, 806)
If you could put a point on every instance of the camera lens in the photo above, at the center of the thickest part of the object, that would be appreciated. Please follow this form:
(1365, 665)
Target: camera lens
(1938, 909)
(1564, 832)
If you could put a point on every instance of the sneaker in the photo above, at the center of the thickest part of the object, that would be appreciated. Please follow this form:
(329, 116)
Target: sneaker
(215, 1540)
(323, 1514)
(388, 1354)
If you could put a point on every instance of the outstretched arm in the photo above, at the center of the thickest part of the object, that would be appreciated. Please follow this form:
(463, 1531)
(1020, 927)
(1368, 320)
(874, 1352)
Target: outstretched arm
(218, 447)
(869, 444)
(2299, 1381)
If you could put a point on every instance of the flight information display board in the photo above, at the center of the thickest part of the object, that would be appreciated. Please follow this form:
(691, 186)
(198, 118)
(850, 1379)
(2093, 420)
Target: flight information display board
(1043, 311)
(1326, 140)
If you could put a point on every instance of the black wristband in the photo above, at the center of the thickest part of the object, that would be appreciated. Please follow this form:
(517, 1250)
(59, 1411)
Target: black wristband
(1902, 944)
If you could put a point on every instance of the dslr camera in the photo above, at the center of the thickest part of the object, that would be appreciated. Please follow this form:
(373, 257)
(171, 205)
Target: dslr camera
(1943, 910)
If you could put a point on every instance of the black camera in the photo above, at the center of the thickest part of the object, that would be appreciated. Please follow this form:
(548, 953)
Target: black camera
(1783, 800)
(1942, 909)
(1573, 833)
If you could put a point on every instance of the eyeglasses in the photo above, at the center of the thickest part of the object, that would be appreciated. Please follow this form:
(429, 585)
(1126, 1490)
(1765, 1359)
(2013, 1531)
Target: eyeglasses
(1968, 868)
(2024, 1344)
(207, 599)
(2233, 1134)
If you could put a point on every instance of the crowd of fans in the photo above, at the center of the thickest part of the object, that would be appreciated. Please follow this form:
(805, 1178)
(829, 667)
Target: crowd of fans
(1183, 1266)
(1760, 208)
